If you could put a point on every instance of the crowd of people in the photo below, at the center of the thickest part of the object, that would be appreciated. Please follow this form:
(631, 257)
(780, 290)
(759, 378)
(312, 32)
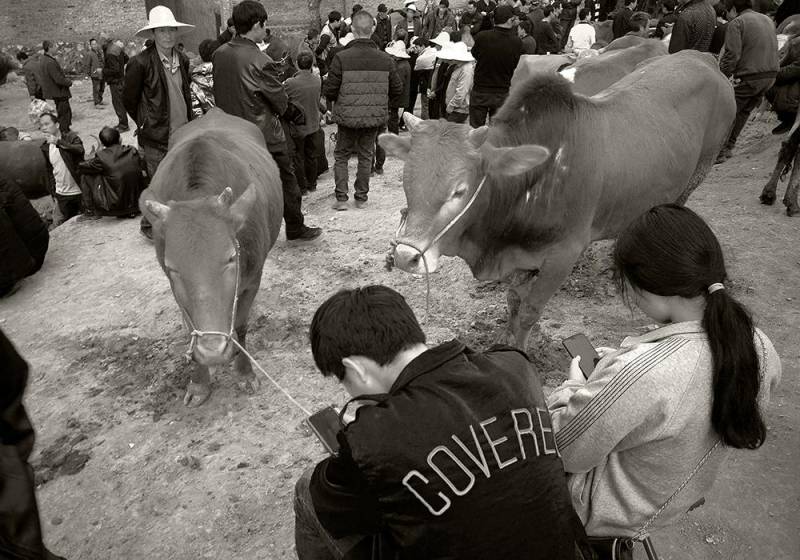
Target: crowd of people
(444, 450)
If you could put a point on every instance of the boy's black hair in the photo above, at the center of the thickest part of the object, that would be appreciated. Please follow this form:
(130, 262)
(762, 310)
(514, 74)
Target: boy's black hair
(109, 136)
(374, 322)
(246, 14)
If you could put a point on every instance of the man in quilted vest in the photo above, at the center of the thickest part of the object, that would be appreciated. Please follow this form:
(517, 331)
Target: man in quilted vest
(360, 82)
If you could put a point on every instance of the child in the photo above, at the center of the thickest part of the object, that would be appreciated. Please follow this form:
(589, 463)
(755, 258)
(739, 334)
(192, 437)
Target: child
(652, 412)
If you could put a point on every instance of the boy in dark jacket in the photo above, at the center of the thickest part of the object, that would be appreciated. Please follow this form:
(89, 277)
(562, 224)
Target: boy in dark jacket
(450, 450)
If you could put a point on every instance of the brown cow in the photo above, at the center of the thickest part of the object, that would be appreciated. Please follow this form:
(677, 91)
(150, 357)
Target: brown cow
(23, 164)
(559, 171)
(215, 204)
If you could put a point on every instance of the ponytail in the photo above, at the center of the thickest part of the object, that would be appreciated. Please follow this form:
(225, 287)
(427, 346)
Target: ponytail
(671, 251)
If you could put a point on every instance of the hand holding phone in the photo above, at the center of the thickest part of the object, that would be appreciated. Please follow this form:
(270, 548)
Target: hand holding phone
(325, 424)
(579, 345)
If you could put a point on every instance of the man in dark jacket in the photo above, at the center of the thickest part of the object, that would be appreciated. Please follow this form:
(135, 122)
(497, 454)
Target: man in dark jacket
(486, 9)
(62, 152)
(751, 59)
(497, 53)
(547, 40)
(23, 239)
(694, 27)
(304, 91)
(112, 180)
(30, 68)
(55, 85)
(448, 451)
(667, 19)
(95, 72)
(114, 63)
(20, 528)
(472, 18)
(228, 34)
(622, 19)
(438, 19)
(383, 28)
(246, 84)
(156, 93)
(360, 82)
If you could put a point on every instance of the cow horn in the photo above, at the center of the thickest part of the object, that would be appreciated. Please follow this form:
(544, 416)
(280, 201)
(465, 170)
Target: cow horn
(477, 136)
(225, 197)
(411, 121)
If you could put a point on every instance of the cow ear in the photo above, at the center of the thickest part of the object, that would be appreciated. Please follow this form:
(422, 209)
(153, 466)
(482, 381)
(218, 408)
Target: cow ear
(511, 161)
(240, 209)
(477, 136)
(411, 121)
(225, 197)
(395, 145)
(155, 211)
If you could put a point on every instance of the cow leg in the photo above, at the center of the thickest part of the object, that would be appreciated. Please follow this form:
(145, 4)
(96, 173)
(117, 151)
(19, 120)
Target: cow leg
(531, 295)
(790, 198)
(700, 172)
(199, 388)
(785, 157)
(246, 379)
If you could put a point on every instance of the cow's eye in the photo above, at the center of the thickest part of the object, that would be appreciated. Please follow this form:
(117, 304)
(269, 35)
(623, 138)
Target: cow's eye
(460, 191)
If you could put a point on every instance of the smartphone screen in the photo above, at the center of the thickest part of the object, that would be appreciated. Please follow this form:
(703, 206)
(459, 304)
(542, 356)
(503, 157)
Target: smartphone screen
(579, 345)
(325, 424)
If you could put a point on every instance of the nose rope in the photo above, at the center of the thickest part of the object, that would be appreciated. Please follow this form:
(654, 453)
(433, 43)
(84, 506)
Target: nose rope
(421, 252)
(195, 333)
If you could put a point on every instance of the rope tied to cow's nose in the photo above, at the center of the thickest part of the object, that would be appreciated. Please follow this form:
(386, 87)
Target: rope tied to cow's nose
(395, 242)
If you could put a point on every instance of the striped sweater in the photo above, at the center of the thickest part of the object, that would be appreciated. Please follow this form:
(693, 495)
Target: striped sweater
(632, 433)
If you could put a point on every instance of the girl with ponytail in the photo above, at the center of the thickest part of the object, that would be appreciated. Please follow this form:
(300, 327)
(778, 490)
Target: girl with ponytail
(632, 433)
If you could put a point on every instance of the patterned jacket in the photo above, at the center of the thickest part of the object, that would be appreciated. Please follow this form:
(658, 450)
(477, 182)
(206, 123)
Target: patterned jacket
(694, 27)
(361, 80)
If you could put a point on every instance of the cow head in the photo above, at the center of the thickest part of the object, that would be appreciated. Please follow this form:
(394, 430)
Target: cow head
(197, 247)
(444, 166)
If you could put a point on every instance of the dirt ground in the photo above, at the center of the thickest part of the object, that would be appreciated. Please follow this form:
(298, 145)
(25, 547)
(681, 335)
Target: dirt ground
(126, 471)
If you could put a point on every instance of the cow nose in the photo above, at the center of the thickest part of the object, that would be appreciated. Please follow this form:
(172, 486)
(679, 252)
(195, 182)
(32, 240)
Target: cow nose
(210, 349)
(409, 259)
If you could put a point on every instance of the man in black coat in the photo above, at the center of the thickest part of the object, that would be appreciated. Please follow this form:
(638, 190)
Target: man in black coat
(448, 450)
(55, 85)
(23, 237)
(30, 68)
(20, 529)
(622, 19)
(112, 180)
(497, 53)
(114, 62)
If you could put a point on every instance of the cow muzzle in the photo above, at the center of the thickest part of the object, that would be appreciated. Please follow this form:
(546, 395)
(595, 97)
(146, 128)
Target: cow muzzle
(409, 258)
(212, 350)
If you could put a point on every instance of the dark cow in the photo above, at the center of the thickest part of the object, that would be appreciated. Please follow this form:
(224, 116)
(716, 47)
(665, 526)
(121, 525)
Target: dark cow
(788, 159)
(592, 74)
(23, 164)
(215, 204)
(559, 171)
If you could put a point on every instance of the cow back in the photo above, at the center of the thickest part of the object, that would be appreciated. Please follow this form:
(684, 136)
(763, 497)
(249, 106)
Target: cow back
(23, 164)
(594, 74)
(211, 154)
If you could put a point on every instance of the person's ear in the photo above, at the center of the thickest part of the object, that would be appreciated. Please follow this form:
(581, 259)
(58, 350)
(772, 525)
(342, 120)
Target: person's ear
(355, 367)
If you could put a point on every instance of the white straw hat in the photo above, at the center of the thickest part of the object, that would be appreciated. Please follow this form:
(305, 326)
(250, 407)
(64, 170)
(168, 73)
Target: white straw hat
(161, 16)
(456, 51)
(398, 49)
(441, 39)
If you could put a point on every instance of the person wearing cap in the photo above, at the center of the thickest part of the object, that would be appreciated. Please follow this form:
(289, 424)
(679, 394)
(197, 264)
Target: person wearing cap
(460, 84)
(360, 83)
(246, 85)
(497, 53)
(383, 28)
(438, 20)
(413, 20)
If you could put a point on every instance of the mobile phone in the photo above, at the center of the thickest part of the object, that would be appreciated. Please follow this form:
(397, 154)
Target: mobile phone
(325, 424)
(579, 345)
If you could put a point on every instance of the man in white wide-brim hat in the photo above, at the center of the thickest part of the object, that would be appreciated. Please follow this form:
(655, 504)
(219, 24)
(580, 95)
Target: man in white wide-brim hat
(457, 55)
(156, 92)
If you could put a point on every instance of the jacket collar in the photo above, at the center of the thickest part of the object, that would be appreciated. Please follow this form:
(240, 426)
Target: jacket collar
(366, 42)
(687, 327)
(427, 362)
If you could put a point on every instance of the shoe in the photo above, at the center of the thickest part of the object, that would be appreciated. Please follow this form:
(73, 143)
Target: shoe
(122, 128)
(782, 127)
(341, 205)
(309, 235)
(312, 188)
(724, 155)
(304, 192)
(88, 218)
(360, 204)
(378, 170)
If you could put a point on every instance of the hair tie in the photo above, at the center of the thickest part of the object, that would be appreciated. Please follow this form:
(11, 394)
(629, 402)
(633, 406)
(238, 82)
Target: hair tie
(715, 287)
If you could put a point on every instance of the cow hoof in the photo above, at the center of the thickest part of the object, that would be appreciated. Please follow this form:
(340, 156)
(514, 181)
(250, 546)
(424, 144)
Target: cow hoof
(249, 386)
(196, 394)
(792, 211)
(768, 199)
